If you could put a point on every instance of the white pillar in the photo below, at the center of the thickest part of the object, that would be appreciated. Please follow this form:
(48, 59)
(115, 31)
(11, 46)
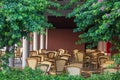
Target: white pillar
(25, 51)
(35, 41)
(31, 47)
(41, 41)
(46, 44)
(104, 46)
(100, 45)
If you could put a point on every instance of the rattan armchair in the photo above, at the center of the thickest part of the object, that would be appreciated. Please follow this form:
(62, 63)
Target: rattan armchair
(102, 59)
(94, 60)
(32, 62)
(47, 63)
(87, 62)
(43, 67)
(39, 58)
(80, 56)
(66, 57)
(18, 55)
(61, 51)
(75, 51)
(59, 67)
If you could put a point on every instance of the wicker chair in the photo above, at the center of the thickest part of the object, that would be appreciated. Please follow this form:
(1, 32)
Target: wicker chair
(43, 67)
(102, 59)
(59, 67)
(75, 51)
(66, 57)
(39, 59)
(80, 56)
(18, 55)
(94, 60)
(43, 50)
(47, 63)
(51, 55)
(61, 51)
(87, 62)
(32, 62)
(90, 50)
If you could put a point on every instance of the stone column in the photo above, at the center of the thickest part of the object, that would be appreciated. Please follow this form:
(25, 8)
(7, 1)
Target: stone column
(25, 51)
(35, 41)
(100, 45)
(46, 44)
(41, 41)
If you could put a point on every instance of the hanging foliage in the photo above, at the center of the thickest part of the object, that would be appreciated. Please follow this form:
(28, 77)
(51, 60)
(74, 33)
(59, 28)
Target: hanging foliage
(20, 17)
(99, 20)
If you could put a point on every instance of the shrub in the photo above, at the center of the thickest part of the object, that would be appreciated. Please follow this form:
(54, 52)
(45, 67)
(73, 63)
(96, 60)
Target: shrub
(29, 74)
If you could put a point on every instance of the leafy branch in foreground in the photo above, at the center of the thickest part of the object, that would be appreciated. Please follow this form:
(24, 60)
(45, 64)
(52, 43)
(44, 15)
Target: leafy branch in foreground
(99, 20)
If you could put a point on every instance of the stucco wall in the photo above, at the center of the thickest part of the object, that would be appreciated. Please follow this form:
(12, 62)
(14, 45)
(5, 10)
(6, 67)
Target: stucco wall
(63, 38)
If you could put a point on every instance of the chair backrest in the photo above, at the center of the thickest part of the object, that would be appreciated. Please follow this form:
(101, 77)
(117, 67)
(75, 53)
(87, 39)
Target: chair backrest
(100, 54)
(37, 57)
(43, 51)
(66, 52)
(56, 54)
(87, 58)
(18, 52)
(32, 62)
(94, 56)
(37, 51)
(65, 56)
(80, 56)
(90, 50)
(51, 55)
(102, 59)
(75, 51)
(61, 51)
(73, 70)
(47, 63)
(33, 53)
(43, 67)
(60, 65)
(42, 57)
